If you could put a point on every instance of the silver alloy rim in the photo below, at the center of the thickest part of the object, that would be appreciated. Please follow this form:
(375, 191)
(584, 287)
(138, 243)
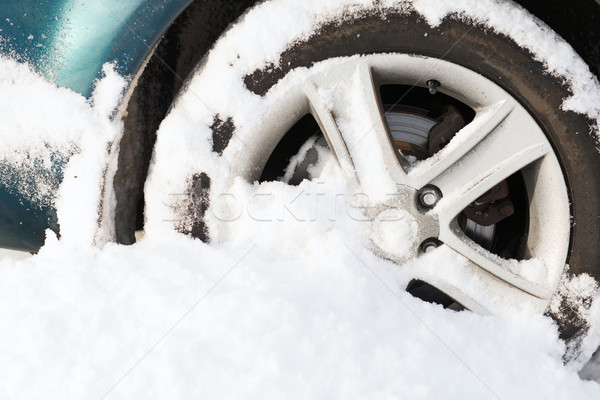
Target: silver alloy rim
(342, 95)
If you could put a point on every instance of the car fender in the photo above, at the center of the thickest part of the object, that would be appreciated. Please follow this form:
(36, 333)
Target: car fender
(69, 41)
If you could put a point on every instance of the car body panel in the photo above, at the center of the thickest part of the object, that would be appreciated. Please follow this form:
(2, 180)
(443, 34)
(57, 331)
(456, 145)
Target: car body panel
(68, 41)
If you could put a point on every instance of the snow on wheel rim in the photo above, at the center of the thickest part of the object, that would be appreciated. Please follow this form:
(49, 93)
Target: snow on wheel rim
(501, 140)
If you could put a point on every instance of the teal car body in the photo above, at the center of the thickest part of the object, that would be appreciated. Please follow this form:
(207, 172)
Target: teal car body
(68, 41)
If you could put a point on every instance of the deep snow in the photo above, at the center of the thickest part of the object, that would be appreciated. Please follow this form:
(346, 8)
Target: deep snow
(294, 311)
(175, 318)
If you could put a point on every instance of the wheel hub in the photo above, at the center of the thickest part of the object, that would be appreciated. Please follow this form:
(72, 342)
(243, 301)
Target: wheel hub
(401, 226)
(395, 233)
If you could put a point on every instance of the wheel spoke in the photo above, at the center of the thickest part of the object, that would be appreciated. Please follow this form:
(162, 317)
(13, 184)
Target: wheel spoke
(335, 140)
(471, 286)
(530, 276)
(498, 143)
(345, 105)
(486, 121)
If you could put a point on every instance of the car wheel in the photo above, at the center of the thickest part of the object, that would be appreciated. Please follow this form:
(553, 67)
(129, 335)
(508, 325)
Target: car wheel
(453, 128)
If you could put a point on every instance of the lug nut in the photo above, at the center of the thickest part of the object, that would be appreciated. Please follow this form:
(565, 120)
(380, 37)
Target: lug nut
(429, 196)
(429, 245)
(428, 199)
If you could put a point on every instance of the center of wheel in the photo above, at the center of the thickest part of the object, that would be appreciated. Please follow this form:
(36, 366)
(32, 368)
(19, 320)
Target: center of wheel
(395, 232)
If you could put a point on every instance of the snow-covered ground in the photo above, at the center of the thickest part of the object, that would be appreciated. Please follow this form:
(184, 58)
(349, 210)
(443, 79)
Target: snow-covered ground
(175, 318)
(295, 310)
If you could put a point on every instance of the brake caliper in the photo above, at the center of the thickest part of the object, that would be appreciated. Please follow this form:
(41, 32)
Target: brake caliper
(492, 207)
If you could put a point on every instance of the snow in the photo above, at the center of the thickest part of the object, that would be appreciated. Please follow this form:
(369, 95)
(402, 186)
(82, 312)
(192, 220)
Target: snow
(43, 125)
(243, 320)
(395, 230)
(291, 303)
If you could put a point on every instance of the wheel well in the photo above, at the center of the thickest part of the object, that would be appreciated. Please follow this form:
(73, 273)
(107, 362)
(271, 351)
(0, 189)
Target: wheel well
(180, 49)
